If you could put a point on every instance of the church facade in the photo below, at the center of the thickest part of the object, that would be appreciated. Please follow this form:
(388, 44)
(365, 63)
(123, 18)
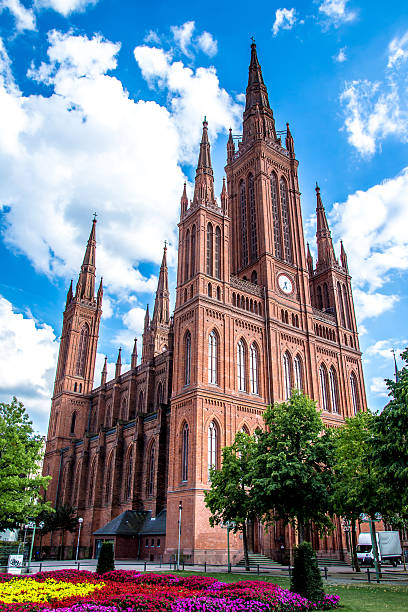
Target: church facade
(254, 318)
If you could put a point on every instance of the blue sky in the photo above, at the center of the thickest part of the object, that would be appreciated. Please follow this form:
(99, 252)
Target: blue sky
(101, 104)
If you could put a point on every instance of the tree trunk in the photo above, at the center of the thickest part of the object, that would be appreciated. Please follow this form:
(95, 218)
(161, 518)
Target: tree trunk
(245, 541)
(301, 531)
(354, 545)
(62, 544)
(375, 547)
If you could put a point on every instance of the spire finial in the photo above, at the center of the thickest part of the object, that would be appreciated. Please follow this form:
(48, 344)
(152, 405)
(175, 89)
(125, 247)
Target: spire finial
(253, 39)
(94, 217)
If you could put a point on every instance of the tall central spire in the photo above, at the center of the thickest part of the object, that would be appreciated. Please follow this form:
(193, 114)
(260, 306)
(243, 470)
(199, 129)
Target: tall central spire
(85, 289)
(161, 313)
(325, 251)
(258, 115)
(204, 180)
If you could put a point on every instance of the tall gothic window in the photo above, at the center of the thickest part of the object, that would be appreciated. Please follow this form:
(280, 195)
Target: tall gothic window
(193, 250)
(140, 403)
(241, 365)
(184, 454)
(129, 474)
(285, 220)
(212, 358)
(92, 482)
(150, 475)
(217, 252)
(212, 447)
(346, 307)
(275, 216)
(252, 219)
(159, 395)
(253, 368)
(244, 229)
(210, 249)
(287, 375)
(76, 485)
(82, 350)
(187, 257)
(187, 358)
(326, 296)
(73, 422)
(354, 393)
(333, 390)
(340, 297)
(323, 387)
(108, 478)
(297, 372)
(319, 298)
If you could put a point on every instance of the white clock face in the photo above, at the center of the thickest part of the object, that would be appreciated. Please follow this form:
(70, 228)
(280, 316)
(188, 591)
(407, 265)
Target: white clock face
(285, 284)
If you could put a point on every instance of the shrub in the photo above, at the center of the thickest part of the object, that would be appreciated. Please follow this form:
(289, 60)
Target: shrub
(106, 561)
(306, 578)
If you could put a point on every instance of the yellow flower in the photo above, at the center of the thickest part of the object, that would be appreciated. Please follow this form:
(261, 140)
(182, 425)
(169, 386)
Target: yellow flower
(26, 590)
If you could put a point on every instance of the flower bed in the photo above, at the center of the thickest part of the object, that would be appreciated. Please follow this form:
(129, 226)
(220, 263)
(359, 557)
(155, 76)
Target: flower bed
(130, 591)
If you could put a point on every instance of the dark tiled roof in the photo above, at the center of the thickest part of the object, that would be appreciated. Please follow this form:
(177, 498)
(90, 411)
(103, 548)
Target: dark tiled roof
(133, 522)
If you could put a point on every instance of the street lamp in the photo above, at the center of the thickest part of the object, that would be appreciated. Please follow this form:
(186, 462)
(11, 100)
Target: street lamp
(32, 525)
(80, 521)
(179, 536)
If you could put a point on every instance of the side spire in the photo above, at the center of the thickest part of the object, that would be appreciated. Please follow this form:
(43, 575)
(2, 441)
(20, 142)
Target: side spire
(343, 257)
(184, 200)
(290, 145)
(147, 319)
(118, 364)
(85, 289)
(70, 295)
(204, 180)
(325, 250)
(230, 148)
(161, 313)
(309, 260)
(224, 197)
(104, 372)
(133, 362)
(258, 115)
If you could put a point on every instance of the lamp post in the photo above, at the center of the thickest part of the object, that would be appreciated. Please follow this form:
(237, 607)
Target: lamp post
(80, 521)
(179, 536)
(32, 525)
(347, 529)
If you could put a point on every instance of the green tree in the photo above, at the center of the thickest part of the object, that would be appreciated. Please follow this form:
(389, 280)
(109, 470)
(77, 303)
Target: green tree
(306, 577)
(230, 497)
(357, 486)
(390, 446)
(63, 519)
(21, 454)
(292, 470)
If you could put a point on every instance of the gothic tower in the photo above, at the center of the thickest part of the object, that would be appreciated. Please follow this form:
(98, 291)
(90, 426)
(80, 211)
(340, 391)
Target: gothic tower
(76, 363)
(156, 331)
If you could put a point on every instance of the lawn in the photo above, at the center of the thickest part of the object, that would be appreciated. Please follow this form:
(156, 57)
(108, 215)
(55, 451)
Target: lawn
(354, 598)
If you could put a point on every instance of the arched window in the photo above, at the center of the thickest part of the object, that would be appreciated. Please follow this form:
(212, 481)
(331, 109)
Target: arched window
(82, 350)
(140, 403)
(244, 229)
(340, 298)
(319, 298)
(108, 478)
(346, 307)
(75, 387)
(285, 220)
(92, 482)
(275, 216)
(108, 416)
(287, 375)
(354, 393)
(212, 358)
(75, 490)
(210, 249)
(73, 422)
(333, 390)
(193, 250)
(187, 358)
(209, 290)
(254, 277)
(217, 252)
(323, 387)
(253, 368)
(252, 219)
(187, 257)
(241, 365)
(129, 474)
(218, 293)
(123, 410)
(326, 296)
(297, 372)
(150, 475)
(184, 453)
(212, 447)
(159, 396)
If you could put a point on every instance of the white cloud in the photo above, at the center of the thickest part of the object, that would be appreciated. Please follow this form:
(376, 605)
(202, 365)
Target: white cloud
(398, 50)
(285, 19)
(25, 19)
(65, 7)
(152, 37)
(28, 358)
(207, 44)
(341, 56)
(193, 94)
(384, 349)
(377, 110)
(183, 36)
(378, 386)
(370, 305)
(336, 12)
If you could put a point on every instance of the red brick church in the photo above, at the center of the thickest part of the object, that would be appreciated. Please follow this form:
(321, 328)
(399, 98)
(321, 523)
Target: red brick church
(254, 317)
